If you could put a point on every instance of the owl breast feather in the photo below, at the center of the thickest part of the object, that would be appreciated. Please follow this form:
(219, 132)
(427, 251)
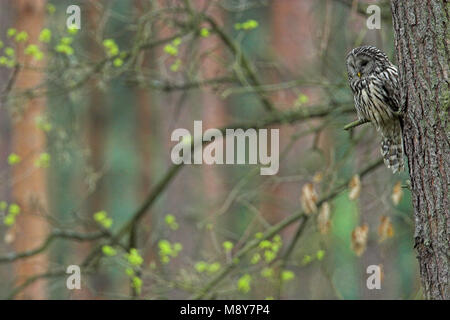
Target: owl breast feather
(371, 101)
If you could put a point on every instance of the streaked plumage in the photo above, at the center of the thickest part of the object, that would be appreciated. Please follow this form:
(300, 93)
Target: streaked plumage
(374, 83)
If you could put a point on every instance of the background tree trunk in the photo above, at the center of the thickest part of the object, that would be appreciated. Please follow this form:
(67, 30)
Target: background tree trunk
(421, 34)
(29, 182)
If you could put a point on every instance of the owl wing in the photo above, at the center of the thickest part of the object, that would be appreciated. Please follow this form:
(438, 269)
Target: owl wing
(389, 80)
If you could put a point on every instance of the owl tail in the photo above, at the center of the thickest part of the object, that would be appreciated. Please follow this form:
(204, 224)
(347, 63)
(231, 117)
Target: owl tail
(392, 146)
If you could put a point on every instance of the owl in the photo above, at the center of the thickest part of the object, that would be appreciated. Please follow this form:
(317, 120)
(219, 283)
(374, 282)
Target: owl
(374, 82)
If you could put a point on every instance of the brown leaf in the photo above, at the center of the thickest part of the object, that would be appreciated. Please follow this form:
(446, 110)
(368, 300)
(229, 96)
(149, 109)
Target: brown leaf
(386, 229)
(359, 239)
(318, 177)
(10, 236)
(397, 193)
(355, 187)
(323, 219)
(309, 198)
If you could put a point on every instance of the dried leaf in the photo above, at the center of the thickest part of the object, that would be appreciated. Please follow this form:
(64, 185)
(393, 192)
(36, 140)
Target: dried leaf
(397, 193)
(318, 177)
(10, 236)
(309, 198)
(359, 239)
(355, 187)
(386, 229)
(381, 272)
(323, 219)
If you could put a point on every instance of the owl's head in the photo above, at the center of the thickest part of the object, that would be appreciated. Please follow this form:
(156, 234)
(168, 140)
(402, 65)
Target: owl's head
(363, 61)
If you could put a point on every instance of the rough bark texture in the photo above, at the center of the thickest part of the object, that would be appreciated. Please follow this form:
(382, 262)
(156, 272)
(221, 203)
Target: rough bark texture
(421, 34)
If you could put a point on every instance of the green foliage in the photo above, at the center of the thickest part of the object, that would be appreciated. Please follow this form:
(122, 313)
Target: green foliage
(287, 275)
(14, 159)
(72, 30)
(111, 48)
(11, 32)
(134, 258)
(172, 48)
(201, 266)
(102, 218)
(33, 50)
(247, 25)
(50, 8)
(244, 283)
(213, 267)
(136, 283)
(43, 124)
(13, 211)
(168, 250)
(43, 161)
(320, 254)
(109, 251)
(228, 246)
(267, 272)
(301, 100)
(10, 52)
(64, 46)
(171, 222)
(174, 67)
(22, 36)
(204, 32)
(45, 36)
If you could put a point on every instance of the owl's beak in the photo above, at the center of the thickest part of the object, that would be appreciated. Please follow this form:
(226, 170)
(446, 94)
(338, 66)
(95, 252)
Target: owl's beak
(359, 74)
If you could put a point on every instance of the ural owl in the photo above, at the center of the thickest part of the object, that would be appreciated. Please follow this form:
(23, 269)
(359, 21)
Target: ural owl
(374, 83)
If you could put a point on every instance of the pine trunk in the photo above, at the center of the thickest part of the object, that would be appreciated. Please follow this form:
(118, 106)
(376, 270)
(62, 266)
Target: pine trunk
(421, 34)
(29, 182)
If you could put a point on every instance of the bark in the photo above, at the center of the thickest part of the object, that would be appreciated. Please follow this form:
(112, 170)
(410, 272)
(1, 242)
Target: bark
(29, 182)
(421, 34)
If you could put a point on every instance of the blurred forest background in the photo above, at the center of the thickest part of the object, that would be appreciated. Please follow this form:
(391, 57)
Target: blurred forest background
(87, 179)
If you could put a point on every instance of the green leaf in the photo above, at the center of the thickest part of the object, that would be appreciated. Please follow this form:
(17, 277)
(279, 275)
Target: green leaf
(320, 254)
(45, 36)
(9, 220)
(13, 159)
(287, 275)
(11, 32)
(109, 251)
(200, 266)
(22, 36)
(134, 258)
(228, 246)
(267, 272)
(14, 209)
(43, 161)
(204, 32)
(244, 283)
(214, 267)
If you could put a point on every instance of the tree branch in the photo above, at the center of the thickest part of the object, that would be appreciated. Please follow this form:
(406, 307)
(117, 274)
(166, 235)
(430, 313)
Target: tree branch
(277, 228)
(355, 124)
(56, 233)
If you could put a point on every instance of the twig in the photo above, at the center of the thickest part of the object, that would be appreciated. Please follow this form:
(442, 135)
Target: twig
(63, 234)
(355, 124)
(275, 229)
(244, 61)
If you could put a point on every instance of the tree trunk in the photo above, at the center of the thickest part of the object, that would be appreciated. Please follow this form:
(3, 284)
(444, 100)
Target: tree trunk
(29, 182)
(421, 37)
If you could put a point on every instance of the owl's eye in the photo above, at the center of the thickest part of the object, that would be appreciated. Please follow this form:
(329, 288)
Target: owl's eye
(364, 63)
